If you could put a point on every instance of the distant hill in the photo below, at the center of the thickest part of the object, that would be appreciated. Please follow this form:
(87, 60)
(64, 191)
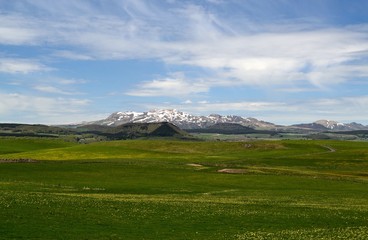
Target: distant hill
(125, 131)
(329, 125)
(224, 128)
(29, 130)
(169, 123)
(310, 126)
(135, 130)
(230, 128)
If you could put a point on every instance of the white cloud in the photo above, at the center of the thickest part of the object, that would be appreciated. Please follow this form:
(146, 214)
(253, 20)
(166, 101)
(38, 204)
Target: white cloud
(65, 81)
(56, 85)
(42, 109)
(287, 113)
(51, 89)
(281, 57)
(42, 105)
(188, 101)
(215, 1)
(22, 66)
(72, 55)
(269, 53)
(244, 106)
(15, 36)
(349, 104)
(17, 30)
(175, 86)
(241, 108)
(187, 34)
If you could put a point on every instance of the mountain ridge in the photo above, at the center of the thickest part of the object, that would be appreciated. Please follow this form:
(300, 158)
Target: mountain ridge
(187, 121)
(181, 119)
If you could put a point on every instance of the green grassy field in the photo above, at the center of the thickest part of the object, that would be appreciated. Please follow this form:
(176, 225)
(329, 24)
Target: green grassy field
(163, 189)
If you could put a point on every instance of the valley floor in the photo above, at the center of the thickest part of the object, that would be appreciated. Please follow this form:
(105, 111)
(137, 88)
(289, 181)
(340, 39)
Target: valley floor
(162, 189)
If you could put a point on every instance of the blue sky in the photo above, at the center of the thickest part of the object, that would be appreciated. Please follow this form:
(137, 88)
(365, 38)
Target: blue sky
(283, 61)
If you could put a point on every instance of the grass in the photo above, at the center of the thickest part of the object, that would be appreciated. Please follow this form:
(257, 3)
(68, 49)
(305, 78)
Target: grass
(19, 145)
(147, 190)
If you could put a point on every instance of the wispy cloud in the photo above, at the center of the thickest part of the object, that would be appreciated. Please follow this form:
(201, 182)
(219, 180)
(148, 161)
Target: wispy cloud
(175, 86)
(42, 109)
(16, 29)
(270, 56)
(41, 105)
(281, 112)
(52, 89)
(72, 55)
(284, 57)
(242, 108)
(56, 86)
(22, 66)
(239, 106)
(256, 48)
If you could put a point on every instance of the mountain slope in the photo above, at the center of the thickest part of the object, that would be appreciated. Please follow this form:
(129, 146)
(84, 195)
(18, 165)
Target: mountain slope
(135, 130)
(187, 121)
(180, 119)
(225, 128)
(36, 130)
(329, 125)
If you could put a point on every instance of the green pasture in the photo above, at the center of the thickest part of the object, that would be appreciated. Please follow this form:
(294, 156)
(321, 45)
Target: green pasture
(164, 189)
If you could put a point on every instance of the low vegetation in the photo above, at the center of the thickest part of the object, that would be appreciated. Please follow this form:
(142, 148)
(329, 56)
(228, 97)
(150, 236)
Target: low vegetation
(94, 133)
(220, 131)
(169, 189)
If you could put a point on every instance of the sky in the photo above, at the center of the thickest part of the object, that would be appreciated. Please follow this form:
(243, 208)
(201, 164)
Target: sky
(282, 61)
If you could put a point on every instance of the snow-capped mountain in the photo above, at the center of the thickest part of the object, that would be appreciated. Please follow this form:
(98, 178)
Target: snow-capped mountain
(332, 125)
(180, 119)
(329, 124)
(187, 121)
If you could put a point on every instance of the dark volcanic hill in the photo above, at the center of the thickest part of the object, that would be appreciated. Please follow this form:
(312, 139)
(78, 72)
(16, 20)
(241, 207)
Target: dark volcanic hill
(135, 130)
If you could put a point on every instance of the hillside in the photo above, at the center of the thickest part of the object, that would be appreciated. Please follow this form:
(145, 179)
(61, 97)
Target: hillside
(94, 132)
(30, 130)
(135, 130)
(225, 128)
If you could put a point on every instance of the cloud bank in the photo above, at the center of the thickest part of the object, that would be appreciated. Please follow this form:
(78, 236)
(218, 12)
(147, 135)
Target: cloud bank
(260, 45)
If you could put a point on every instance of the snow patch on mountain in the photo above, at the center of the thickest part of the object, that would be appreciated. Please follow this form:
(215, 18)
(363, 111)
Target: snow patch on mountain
(329, 124)
(189, 121)
(180, 119)
(338, 126)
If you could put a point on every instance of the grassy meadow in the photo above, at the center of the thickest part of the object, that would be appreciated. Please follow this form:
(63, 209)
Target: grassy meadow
(167, 189)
